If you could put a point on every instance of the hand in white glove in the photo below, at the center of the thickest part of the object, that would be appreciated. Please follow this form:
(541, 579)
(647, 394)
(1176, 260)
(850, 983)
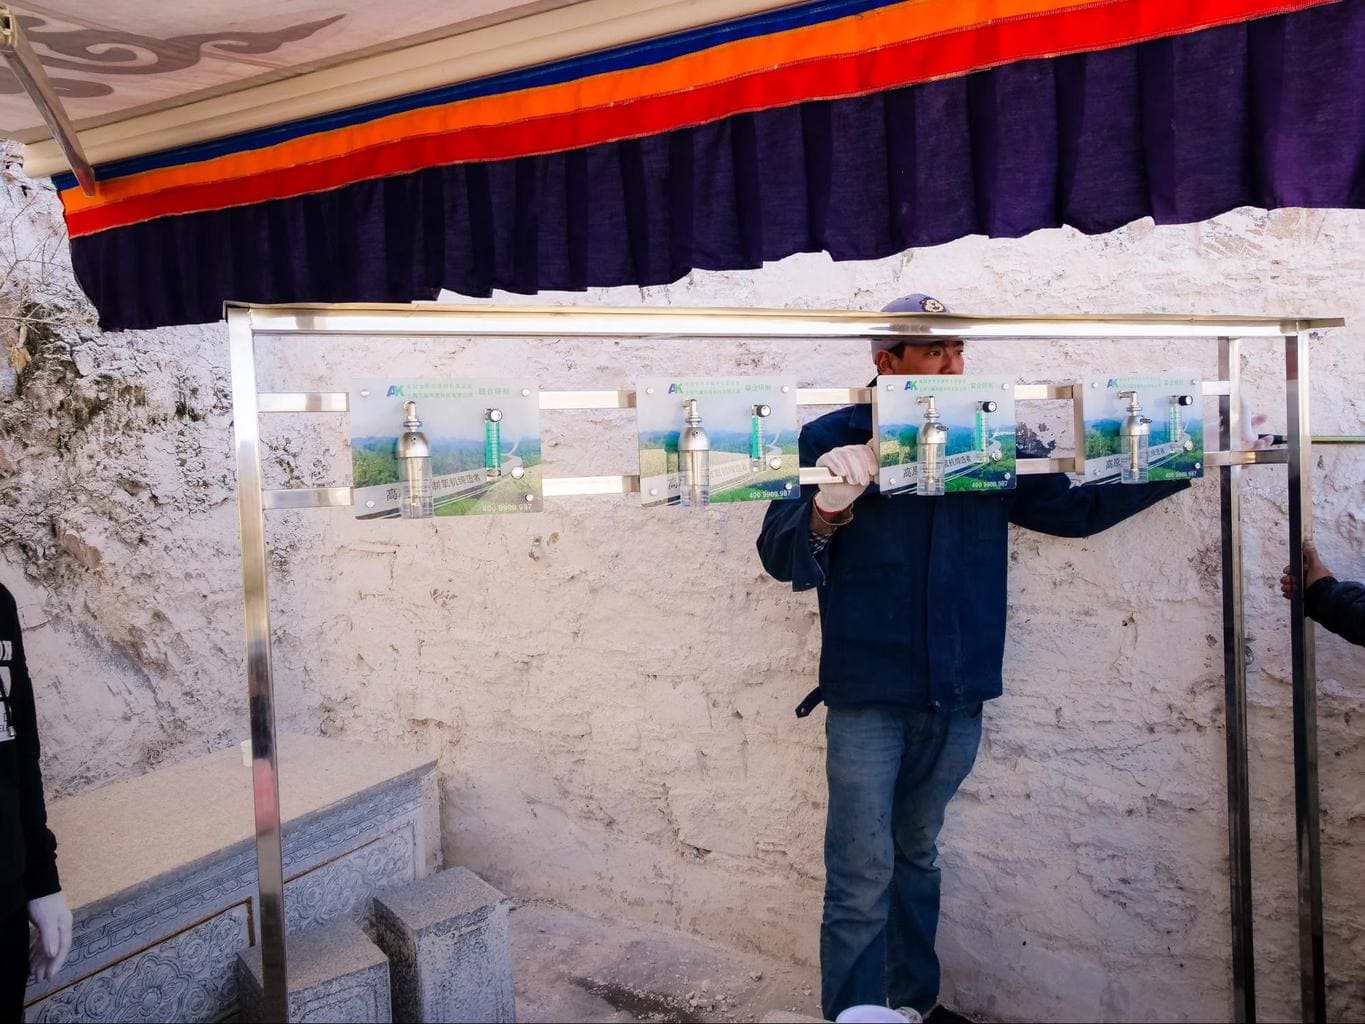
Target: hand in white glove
(1250, 439)
(857, 464)
(52, 945)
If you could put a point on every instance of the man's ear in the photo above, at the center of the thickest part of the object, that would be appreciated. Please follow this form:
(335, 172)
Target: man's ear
(882, 359)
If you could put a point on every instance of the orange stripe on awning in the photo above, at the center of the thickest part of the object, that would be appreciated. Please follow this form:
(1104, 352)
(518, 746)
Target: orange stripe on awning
(1078, 28)
(914, 19)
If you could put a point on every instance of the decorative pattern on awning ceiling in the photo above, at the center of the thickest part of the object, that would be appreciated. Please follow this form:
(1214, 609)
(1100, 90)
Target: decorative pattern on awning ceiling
(862, 127)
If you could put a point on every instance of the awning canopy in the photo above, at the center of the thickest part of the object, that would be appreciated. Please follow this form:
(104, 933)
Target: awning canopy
(860, 127)
(142, 77)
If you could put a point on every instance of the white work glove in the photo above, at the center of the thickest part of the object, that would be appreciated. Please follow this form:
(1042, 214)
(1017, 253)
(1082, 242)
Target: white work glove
(52, 945)
(857, 464)
(1250, 439)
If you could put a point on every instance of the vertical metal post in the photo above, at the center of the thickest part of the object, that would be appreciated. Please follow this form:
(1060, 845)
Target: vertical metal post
(260, 690)
(1235, 691)
(1078, 427)
(1312, 978)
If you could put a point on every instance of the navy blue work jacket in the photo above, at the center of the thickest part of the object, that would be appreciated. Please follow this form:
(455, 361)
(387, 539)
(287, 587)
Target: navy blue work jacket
(912, 592)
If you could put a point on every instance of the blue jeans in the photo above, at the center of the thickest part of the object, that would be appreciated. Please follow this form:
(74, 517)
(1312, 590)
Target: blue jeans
(891, 774)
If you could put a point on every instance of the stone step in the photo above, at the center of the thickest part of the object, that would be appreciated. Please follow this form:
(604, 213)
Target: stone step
(447, 944)
(336, 975)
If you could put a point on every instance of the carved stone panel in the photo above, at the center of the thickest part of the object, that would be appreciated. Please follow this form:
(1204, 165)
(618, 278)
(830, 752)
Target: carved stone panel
(187, 977)
(343, 887)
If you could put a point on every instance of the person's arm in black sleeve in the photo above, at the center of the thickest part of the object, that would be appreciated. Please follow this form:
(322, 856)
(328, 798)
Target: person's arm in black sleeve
(784, 545)
(40, 871)
(1338, 606)
(1048, 503)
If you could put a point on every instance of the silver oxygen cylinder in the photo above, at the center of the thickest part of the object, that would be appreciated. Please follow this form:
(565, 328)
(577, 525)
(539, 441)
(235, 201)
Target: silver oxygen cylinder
(1135, 436)
(694, 458)
(930, 450)
(414, 466)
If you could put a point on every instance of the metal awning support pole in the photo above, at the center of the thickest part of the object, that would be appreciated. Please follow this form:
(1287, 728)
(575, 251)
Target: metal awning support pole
(1312, 976)
(1235, 691)
(29, 71)
(265, 776)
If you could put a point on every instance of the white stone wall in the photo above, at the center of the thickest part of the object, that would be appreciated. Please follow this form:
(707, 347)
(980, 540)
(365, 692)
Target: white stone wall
(610, 691)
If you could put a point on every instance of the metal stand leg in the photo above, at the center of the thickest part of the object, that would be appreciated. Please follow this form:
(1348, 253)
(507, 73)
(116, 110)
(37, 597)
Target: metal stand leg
(1235, 693)
(1311, 972)
(264, 763)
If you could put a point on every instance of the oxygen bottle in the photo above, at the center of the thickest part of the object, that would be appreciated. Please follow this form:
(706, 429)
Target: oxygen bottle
(930, 450)
(1135, 435)
(694, 457)
(414, 466)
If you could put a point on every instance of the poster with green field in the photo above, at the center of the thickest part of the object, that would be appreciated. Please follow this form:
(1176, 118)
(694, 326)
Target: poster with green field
(977, 413)
(712, 441)
(1172, 402)
(424, 448)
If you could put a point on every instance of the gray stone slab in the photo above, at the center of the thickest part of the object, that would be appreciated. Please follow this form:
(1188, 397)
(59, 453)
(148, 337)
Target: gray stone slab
(447, 943)
(336, 975)
(141, 870)
(146, 859)
(201, 806)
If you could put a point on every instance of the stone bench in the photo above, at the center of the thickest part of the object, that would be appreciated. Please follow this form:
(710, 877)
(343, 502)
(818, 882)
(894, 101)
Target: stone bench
(160, 871)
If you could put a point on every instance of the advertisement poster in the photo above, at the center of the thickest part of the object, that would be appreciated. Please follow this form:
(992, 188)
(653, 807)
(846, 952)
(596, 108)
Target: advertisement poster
(706, 442)
(1175, 435)
(427, 448)
(973, 418)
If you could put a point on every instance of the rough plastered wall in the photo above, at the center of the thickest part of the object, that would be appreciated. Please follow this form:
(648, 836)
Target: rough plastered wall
(610, 690)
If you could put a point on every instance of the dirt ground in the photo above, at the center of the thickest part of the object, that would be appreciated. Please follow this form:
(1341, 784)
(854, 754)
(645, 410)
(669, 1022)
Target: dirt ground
(572, 967)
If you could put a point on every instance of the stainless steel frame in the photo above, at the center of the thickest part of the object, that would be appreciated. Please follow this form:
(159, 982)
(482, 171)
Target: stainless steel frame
(1235, 692)
(1312, 977)
(265, 785)
(246, 322)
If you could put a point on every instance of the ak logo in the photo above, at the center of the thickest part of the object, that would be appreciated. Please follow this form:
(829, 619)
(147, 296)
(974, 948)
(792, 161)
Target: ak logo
(912, 385)
(395, 391)
(1113, 382)
(675, 389)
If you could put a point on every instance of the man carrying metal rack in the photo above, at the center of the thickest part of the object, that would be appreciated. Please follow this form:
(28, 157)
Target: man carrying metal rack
(912, 596)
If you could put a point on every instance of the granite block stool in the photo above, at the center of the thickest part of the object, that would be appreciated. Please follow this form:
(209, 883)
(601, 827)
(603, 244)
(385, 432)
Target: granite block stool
(446, 939)
(336, 975)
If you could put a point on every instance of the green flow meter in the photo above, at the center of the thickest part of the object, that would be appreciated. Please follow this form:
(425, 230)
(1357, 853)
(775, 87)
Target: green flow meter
(1176, 423)
(981, 436)
(492, 442)
(757, 413)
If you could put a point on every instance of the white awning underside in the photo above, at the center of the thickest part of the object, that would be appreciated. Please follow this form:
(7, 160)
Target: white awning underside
(139, 77)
